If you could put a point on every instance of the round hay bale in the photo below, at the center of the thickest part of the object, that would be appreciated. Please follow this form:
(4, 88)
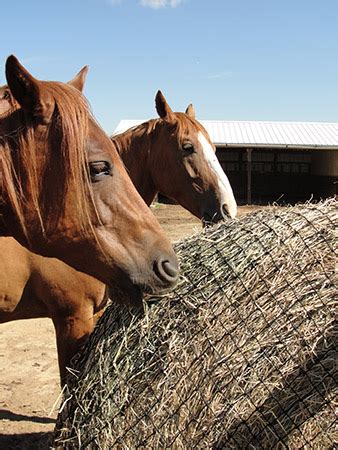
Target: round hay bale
(241, 354)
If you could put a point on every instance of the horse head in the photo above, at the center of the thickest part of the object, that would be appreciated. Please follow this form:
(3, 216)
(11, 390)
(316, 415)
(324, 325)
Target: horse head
(186, 168)
(64, 191)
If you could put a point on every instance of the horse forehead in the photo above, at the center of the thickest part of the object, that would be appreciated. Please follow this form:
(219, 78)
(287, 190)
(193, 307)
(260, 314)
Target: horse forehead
(191, 127)
(96, 145)
(205, 143)
(99, 145)
(188, 129)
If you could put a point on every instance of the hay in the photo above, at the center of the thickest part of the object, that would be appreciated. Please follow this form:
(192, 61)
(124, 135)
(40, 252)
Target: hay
(240, 355)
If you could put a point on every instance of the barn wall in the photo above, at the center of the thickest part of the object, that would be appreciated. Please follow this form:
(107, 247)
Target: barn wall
(325, 163)
(280, 175)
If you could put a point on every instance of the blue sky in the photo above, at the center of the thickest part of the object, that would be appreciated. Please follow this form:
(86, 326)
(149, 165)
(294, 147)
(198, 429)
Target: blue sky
(234, 60)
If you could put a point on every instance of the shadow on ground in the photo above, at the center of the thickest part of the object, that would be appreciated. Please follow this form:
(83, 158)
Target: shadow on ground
(9, 415)
(26, 441)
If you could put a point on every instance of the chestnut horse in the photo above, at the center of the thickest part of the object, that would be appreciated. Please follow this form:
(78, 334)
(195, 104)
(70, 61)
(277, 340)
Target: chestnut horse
(175, 156)
(48, 288)
(64, 191)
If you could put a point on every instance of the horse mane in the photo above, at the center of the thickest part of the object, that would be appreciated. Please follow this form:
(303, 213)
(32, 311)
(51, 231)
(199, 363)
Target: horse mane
(122, 140)
(64, 160)
(179, 124)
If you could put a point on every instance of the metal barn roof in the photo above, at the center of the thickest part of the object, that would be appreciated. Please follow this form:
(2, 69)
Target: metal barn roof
(307, 135)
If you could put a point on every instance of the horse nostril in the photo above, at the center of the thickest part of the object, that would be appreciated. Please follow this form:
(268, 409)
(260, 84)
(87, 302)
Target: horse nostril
(207, 218)
(166, 271)
(229, 209)
(170, 269)
(210, 218)
(225, 212)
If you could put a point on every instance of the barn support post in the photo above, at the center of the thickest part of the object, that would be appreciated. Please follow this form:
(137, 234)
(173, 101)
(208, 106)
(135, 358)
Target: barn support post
(248, 175)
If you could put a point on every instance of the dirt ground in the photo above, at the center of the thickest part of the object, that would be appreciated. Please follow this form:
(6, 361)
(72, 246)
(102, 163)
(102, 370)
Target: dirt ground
(29, 379)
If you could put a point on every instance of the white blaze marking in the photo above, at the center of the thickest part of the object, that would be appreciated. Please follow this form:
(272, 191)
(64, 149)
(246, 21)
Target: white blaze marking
(225, 189)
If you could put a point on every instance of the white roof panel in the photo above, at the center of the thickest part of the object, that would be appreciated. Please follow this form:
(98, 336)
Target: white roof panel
(263, 134)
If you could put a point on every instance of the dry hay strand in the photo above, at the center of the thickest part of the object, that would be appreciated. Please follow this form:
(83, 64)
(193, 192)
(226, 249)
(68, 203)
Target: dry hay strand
(240, 355)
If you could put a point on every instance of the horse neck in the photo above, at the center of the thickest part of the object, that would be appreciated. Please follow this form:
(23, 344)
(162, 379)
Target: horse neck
(135, 149)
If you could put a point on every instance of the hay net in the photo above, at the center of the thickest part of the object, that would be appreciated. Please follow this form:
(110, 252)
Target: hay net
(240, 355)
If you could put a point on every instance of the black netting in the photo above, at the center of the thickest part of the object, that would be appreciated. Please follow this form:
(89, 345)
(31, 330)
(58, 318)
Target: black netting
(240, 355)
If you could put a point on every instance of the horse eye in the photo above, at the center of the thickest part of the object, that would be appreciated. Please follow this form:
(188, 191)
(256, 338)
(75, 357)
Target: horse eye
(98, 169)
(188, 148)
(6, 96)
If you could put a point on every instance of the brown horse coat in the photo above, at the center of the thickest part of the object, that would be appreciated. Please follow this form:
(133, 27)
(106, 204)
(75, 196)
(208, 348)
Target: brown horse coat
(64, 191)
(174, 155)
(33, 286)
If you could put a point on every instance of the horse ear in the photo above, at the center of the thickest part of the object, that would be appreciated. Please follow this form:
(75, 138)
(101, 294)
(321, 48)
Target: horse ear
(28, 91)
(190, 111)
(162, 107)
(79, 80)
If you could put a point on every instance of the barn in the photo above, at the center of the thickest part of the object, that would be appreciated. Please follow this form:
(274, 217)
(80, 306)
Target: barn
(284, 162)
